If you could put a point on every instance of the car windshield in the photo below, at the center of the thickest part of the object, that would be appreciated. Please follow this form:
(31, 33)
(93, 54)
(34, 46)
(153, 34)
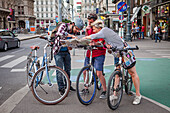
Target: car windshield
(51, 28)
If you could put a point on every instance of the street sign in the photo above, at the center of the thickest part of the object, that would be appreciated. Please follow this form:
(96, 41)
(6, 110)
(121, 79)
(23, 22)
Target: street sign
(97, 10)
(122, 6)
(121, 17)
(146, 8)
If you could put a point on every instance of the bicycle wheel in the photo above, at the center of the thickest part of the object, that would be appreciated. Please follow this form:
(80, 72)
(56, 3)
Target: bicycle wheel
(86, 85)
(46, 89)
(114, 90)
(30, 71)
(128, 85)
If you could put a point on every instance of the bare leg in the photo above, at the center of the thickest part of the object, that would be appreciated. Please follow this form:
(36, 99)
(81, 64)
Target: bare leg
(135, 79)
(102, 79)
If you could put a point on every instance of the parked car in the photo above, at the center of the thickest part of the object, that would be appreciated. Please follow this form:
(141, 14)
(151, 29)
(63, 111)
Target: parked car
(50, 29)
(8, 40)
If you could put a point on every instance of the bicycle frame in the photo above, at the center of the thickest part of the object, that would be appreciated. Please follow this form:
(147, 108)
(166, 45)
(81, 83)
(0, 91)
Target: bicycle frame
(44, 63)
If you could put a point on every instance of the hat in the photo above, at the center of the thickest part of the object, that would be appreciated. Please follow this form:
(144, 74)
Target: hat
(98, 24)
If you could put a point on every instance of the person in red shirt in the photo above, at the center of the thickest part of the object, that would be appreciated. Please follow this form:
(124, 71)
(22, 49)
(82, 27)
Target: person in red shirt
(98, 56)
(143, 30)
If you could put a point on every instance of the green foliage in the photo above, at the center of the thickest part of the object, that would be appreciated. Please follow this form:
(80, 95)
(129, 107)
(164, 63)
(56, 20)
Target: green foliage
(66, 21)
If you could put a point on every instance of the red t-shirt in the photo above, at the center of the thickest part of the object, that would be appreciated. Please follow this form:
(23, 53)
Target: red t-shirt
(98, 52)
(143, 28)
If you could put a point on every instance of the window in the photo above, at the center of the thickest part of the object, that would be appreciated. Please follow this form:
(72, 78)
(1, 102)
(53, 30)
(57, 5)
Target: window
(85, 1)
(51, 14)
(85, 15)
(46, 8)
(46, 14)
(51, 9)
(37, 2)
(89, 8)
(37, 9)
(89, 1)
(37, 15)
(42, 15)
(20, 10)
(37, 21)
(41, 2)
(85, 8)
(46, 2)
(42, 9)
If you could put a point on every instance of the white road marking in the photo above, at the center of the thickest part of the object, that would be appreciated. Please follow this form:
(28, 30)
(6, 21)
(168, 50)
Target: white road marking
(163, 54)
(6, 57)
(18, 70)
(18, 51)
(166, 56)
(14, 62)
(0, 87)
(13, 101)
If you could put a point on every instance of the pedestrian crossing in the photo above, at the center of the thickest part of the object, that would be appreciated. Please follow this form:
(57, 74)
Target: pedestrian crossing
(11, 64)
(161, 53)
(14, 62)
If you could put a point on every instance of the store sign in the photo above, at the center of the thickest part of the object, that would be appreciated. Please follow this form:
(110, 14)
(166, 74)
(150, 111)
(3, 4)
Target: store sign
(146, 8)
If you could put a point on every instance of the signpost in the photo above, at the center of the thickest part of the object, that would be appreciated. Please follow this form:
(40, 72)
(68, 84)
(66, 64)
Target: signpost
(122, 6)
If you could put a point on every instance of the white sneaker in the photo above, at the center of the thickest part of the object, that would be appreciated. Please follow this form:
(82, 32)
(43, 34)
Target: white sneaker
(137, 100)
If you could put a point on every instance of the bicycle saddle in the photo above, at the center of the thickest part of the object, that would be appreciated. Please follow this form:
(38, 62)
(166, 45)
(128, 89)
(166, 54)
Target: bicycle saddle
(34, 47)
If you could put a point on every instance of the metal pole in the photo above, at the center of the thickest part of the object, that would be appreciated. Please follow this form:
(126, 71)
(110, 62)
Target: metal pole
(106, 5)
(128, 35)
(59, 11)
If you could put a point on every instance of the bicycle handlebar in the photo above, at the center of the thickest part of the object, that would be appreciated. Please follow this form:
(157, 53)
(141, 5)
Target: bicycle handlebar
(124, 49)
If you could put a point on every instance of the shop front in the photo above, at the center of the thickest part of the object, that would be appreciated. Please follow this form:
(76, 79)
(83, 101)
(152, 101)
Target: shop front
(162, 15)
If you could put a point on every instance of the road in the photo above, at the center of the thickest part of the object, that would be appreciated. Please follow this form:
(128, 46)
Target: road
(153, 60)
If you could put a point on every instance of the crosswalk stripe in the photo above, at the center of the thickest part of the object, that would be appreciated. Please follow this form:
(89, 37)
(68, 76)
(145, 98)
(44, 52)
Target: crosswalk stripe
(6, 57)
(14, 62)
(166, 56)
(18, 70)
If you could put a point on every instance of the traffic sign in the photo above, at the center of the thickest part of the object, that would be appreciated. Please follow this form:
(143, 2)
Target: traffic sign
(122, 6)
(121, 17)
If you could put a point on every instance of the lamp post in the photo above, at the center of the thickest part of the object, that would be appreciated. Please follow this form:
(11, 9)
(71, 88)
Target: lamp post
(128, 35)
(59, 11)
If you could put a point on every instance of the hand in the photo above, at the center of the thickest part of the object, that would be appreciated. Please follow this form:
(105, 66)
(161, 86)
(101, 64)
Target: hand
(92, 43)
(88, 27)
(84, 38)
(108, 46)
(109, 51)
(69, 48)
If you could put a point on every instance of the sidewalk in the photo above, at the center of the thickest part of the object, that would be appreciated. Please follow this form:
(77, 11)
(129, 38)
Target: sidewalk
(28, 36)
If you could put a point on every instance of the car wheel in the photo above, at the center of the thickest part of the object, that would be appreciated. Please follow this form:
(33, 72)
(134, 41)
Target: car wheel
(5, 47)
(18, 44)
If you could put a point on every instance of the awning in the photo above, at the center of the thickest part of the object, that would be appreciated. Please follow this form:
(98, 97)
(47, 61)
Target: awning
(134, 15)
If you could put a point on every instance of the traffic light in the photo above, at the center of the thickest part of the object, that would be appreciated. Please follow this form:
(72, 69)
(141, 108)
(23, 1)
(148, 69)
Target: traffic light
(115, 1)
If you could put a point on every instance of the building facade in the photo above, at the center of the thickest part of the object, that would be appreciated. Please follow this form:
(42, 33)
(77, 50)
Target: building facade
(45, 12)
(16, 14)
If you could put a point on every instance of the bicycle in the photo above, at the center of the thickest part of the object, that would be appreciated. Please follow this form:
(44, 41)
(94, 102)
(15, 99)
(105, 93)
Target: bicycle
(116, 81)
(44, 84)
(90, 80)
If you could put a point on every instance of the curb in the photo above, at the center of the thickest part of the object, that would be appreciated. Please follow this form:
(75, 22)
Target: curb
(32, 37)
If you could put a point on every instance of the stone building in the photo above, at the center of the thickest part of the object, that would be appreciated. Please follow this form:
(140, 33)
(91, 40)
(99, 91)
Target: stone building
(16, 14)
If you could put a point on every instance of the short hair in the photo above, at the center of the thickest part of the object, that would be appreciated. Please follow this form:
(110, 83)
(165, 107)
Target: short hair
(92, 16)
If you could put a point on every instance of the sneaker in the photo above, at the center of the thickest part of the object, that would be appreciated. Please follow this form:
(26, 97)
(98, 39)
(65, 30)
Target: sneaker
(72, 89)
(103, 95)
(113, 97)
(137, 100)
(61, 91)
(84, 91)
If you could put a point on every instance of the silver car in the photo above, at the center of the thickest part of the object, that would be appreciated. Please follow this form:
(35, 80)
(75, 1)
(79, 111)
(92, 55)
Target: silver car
(8, 40)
